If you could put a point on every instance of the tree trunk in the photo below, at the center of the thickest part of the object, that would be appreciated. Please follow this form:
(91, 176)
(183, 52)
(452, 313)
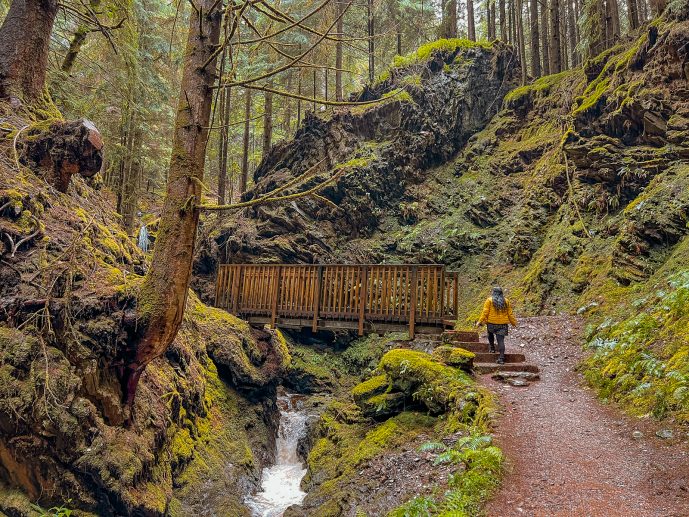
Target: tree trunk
(555, 50)
(267, 123)
(658, 6)
(78, 41)
(288, 106)
(535, 49)
(338, 53)
(490, 13)
(244, 178)
(545, 37)
(633, 14)
(471, 24)
(519, 19)
(564, 50)
(572, 33)
(24, 42)
(225, 105)
(371, 42)
(448, 25)
(129, 191)
(503, 21)
(163, 294)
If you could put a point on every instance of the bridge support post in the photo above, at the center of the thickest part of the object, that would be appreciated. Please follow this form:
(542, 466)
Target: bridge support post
(412, 308)
(317, 298)
(276, 297)
(455, 294)
(363, 294)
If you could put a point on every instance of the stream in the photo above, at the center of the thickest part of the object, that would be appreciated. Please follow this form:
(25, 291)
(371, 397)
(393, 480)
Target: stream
(280, 481)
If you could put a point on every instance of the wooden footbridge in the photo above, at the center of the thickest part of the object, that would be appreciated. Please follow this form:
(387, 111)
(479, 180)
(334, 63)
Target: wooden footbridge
(365, 298)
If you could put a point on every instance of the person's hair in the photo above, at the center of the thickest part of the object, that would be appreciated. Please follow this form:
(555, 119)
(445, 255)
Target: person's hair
(498, 298)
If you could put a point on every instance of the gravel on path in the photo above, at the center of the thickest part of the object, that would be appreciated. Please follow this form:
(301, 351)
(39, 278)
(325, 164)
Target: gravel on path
(568, 454)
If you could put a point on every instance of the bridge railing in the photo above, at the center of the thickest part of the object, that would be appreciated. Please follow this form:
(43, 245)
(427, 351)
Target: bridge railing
(355, 295)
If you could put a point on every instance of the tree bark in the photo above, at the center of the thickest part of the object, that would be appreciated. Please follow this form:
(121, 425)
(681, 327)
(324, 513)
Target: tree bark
(535, 49)
(371, 30)
(24, 43)
(658, 6)
(130, 184)
(503, 20)
(163, 294)
(448, 24)
(555, 49)
(633, 14)
(572, 33)
(471, 24)
(224, 140)
(267, 122)
(338, 52)
(521, 40)
(490, 13)
(244, 178)
(78, 41)
(545, 39)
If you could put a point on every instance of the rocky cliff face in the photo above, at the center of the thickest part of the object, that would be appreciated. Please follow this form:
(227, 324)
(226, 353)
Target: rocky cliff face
(430, 106)
(205, 411)
(573, 192)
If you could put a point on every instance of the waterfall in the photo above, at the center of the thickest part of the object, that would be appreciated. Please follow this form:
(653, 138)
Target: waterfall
(280, 481)
(143, 238)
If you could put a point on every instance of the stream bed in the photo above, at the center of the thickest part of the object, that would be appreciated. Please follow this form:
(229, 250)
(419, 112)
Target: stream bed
(280, 481)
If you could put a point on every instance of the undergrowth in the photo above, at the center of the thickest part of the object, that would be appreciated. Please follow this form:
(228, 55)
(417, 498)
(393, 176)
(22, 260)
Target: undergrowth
(642, 361)
(479, 466)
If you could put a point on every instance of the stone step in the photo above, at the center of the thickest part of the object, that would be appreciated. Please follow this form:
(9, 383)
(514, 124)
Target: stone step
(507, 367)
(456, 336)
(487, 357)
(477, 348)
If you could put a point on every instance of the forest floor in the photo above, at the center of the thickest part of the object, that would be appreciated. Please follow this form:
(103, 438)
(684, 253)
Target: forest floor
(570, 455)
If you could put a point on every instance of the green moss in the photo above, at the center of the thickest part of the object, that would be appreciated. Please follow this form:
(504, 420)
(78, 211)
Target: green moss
(592, 95)
(541, 86)
(373, 386)
(434, 385)
(426, 52)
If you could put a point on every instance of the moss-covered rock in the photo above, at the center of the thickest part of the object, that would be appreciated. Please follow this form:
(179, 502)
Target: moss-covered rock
(455, 356)
(374, 386)
(424, 380)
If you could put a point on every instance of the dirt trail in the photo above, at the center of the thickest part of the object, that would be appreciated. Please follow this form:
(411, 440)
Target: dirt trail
(568, 455)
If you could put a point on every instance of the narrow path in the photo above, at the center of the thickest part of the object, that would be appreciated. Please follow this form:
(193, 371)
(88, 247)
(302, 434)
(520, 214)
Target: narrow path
(568, 455)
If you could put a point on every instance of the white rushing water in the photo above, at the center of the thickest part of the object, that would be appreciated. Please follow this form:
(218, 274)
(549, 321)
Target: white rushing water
(280, 482)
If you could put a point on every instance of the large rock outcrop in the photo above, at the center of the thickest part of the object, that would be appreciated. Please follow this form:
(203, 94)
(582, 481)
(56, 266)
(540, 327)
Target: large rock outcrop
(431, 104)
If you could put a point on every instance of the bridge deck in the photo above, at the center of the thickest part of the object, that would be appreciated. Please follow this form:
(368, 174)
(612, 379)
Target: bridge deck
(365, 298)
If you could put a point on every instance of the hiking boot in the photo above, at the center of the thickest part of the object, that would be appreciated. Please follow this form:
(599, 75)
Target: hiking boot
(501, 360)
(491, 349)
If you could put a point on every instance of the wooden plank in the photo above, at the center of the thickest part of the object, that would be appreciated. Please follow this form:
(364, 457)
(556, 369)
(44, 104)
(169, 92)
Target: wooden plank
(441, 311)
(316, 307)
(276, 295)
(363, 277)
(412, 311)
(455, 294)
(340, 291)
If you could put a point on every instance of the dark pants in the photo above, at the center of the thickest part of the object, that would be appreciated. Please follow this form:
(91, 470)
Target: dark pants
(501, 343)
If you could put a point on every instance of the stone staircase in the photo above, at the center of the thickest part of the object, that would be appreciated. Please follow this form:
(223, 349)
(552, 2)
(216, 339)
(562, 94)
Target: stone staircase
(485, 362)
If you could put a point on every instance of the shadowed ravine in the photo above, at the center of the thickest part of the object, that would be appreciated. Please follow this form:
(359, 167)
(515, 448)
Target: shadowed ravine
(280, 481)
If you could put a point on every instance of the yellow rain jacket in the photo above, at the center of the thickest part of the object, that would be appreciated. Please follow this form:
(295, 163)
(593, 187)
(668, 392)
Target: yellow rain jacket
(491, 315)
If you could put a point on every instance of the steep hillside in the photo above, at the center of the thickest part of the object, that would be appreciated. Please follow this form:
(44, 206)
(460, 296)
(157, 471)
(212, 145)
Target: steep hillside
(205, 412)
(573, 195)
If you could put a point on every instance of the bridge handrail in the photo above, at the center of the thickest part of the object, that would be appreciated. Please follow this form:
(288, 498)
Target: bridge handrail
(342, 292)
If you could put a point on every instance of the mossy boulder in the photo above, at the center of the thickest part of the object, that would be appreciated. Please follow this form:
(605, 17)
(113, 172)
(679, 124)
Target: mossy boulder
(455, 356)
(370, 388)
(423, 379)
(383, 406)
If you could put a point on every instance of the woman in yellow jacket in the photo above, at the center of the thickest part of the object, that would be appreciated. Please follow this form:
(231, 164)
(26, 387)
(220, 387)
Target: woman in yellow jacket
(497, 313)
